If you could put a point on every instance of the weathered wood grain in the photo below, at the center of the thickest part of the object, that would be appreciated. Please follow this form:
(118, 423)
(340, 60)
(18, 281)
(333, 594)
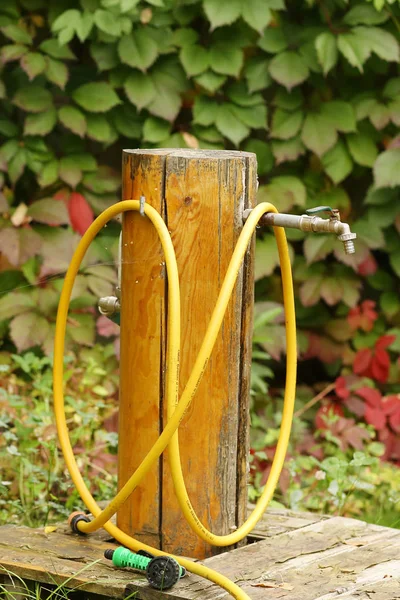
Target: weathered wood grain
(311, 558)
(201, 195)
(142, 339)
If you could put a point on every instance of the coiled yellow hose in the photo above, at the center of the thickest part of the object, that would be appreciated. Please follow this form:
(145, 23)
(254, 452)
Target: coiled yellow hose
(176, 409)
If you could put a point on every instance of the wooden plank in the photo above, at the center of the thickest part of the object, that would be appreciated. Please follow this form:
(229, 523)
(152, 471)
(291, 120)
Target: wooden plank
(205, 196)
(142, 339)
(328, 559)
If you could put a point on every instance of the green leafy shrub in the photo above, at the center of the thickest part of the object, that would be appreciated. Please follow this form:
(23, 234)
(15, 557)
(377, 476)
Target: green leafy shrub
(35, 487)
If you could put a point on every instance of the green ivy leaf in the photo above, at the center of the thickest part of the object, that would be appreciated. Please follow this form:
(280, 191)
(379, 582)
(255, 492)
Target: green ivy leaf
(337, 162)
(104, 55)
(140, 89)
(69, 171)
(287, 151)
(390, 303)
(210, 81)
(288, 69)
(379, 41)
(33, 63)
(379, 115)
(33, 98)
(317, 247)
(8, 150)
(48, 174)
(365, 14)
(169, 80)
(222, 13)
(354, 49)
(12, 52)
(394, 259)
(318, 133)
(273, 40)
(327, 51)
(267, 257)
(362, 149)
(53, 48)
(17, 165)
(194, 59)
(184, 37)
(19, 244)
(256, 14)
(340, 114)
(7, 128)
(205, 111)
(226, 59)
(40, 123)
(229, 124)
(286, 125)
(127, 122)
(369, 232)
(238, 93)
(284, 192)
(15, 303)
(96, 96)
(73, 119)
(28, 329)
(256, 74)
(17, 34)
(265, 159)
(254, 117)
(99, 129)
(57, 72)
(50, 211)
(108, 22)
(377, 197)
(288, 100)
(138, 49)
(156, 130)
(387, 169)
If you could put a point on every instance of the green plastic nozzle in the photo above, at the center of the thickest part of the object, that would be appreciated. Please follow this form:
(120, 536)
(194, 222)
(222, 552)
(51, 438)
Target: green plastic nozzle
(162, 572)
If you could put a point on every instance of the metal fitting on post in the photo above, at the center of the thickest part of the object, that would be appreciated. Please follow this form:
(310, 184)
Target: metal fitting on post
(109, 305)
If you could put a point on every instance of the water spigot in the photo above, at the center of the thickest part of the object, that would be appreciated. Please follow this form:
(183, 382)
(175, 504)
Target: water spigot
(342, 230)
(311, 222)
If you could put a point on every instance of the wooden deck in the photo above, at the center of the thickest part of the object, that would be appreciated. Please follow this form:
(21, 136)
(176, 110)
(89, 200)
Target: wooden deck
(290, 555)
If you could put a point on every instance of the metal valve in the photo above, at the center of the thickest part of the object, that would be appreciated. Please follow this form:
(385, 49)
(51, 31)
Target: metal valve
(310, 222)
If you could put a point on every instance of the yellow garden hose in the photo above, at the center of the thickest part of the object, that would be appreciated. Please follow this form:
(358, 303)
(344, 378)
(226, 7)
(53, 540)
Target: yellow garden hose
(176, 409)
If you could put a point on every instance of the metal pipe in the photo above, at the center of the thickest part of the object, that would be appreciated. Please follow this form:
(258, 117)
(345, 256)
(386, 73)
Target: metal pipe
(311, 224)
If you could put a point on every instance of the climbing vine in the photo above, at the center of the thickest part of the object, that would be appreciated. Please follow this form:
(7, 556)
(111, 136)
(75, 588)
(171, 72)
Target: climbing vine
(312, 87)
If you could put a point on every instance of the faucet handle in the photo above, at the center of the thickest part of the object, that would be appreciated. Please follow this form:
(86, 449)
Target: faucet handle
(334, 212)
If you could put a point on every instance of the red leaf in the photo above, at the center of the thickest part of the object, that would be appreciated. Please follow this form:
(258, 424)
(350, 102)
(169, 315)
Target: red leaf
(380, 366)
(80, 213)
(106, 327)
(372, 396)
(341, 389)
(368, 266)
(384, 341)
(355, 405)
(391, 404)
(394, 421)
(362, 361)
(375, 417)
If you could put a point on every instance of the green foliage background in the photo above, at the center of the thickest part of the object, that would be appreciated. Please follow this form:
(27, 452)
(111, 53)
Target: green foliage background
(312, 87)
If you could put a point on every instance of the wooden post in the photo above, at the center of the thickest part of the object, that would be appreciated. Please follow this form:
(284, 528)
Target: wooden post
(201, 195)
